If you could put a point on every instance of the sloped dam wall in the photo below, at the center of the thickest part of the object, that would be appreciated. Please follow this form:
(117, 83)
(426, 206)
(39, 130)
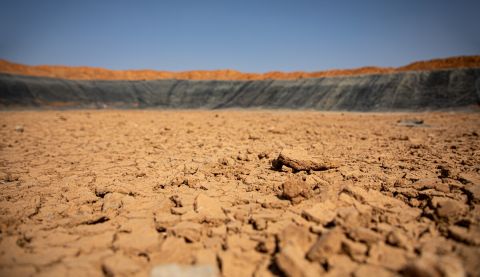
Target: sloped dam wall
(415, 90)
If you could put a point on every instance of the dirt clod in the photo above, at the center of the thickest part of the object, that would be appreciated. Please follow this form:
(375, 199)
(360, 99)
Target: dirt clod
(299, 160)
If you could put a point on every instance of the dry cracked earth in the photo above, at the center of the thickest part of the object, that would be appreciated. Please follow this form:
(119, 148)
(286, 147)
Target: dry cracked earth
(262, 193)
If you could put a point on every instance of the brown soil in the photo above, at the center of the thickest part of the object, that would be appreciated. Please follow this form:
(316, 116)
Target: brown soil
(88, 73)
(93, 193)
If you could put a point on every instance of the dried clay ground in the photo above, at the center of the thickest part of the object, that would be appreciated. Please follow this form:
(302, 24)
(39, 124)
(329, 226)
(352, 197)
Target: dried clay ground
(116, 193)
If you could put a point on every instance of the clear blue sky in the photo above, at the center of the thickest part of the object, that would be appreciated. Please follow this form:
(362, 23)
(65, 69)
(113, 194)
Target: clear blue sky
(253, 36)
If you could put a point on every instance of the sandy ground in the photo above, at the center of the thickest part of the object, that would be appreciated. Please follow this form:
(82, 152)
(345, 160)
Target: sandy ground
(115, 193)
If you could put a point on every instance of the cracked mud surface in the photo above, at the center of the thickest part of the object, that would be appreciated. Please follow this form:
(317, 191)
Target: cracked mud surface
(115, 193)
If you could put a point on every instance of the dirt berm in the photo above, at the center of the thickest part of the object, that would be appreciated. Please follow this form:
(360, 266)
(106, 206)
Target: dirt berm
(413, 90)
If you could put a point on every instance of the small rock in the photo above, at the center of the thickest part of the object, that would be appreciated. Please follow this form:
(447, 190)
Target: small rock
(19, 128)
(299, 160)
(174, 270)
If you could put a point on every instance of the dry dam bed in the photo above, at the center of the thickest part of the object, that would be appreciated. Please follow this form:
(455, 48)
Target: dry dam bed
(116, 193)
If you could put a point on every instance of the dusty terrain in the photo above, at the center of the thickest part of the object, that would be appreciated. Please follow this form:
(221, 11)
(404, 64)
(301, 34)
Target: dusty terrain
(95, 73)
(115, 193)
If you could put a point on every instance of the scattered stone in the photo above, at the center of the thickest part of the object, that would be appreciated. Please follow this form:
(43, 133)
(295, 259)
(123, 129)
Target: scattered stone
(174, 270)
(299, 160)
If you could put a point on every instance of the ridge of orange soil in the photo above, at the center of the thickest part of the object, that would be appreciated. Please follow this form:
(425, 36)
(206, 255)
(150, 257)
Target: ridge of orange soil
(95, 73)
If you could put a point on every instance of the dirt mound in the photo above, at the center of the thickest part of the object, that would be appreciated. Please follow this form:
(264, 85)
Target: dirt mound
(93, 73)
